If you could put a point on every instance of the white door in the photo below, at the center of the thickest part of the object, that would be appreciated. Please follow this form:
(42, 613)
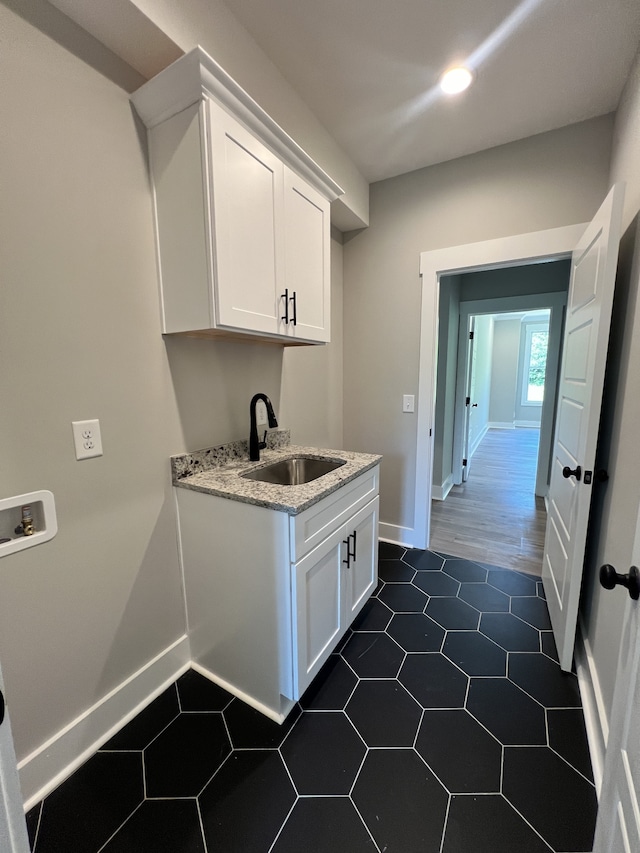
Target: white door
(361, 572)
(307, 260)
(618, 826)
(13, 830)
(247, 191)
(317, 596)
(586, 337)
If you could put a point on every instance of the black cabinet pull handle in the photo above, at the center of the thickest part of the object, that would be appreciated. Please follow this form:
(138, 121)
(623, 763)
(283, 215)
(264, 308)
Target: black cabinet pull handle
(347, 542)
(609, 579)
(575, 472)
(294, 299)
(351, 555)
(285, 296)
(1, 708)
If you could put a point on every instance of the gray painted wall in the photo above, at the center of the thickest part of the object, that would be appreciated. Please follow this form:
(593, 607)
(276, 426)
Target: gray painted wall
(80, 338)
(504, 376)
(514, 281)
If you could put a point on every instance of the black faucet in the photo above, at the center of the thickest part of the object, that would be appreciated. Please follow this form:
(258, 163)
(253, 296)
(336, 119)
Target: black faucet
(254, 444)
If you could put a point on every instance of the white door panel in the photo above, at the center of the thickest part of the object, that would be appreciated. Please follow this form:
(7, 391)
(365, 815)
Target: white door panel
(361, 575)
(318, 601)
(586, 340)
(618, 826)
(246, 188)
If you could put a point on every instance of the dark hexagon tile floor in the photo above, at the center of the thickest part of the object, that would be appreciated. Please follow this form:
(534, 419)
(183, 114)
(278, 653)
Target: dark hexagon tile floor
(441, 722)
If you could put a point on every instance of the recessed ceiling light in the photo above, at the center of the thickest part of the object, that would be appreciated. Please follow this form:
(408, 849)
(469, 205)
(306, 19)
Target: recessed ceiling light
(456, 80)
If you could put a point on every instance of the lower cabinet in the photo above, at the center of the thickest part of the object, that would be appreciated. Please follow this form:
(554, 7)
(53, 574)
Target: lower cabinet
(330, 587)
(268, 595)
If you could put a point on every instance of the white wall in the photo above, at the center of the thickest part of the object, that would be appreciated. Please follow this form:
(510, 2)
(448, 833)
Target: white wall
(617, 502)
(80, 338)
(553, 179)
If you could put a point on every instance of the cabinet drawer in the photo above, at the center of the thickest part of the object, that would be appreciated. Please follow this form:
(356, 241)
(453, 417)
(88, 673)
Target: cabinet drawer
(316, 523)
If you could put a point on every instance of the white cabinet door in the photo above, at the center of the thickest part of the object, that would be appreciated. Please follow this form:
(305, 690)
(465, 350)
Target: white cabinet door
(317, 608)
(246, 185)
(330, 586)
(307, 261)
(361, 573)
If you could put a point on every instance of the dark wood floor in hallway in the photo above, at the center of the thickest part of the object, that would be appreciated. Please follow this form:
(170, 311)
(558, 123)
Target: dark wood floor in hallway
(495, 516)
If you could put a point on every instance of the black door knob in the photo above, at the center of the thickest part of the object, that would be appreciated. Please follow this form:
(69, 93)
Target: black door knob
(609, 578)
(575, 472)
(1, 708)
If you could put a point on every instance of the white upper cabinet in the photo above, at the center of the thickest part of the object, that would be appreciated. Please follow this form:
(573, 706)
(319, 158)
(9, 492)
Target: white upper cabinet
(242, 213)
(246, 186)
(307, 261)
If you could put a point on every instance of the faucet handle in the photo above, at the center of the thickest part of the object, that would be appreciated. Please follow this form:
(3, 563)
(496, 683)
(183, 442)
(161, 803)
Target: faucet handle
(263, 443)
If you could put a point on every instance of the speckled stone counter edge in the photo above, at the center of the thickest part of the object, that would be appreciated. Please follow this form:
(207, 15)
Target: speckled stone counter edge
(217, 471)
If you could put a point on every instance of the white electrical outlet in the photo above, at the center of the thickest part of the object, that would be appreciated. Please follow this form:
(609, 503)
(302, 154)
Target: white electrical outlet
(261, 413)
(408, 403)
(87, 439)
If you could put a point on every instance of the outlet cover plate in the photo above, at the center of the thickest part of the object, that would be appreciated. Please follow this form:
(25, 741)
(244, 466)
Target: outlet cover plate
(87, 439)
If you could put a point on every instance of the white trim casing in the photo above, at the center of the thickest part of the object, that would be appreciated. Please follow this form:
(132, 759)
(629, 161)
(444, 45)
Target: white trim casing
(439, 493)
(593, 704)
(492, 254)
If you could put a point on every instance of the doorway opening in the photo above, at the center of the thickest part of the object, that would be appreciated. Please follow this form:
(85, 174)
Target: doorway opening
(479, 258)
(492, 388)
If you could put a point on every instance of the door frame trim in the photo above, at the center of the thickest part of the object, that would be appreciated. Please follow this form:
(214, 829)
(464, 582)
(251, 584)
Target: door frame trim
(518, 250)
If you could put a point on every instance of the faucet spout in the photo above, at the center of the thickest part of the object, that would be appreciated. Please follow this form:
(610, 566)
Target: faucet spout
(255, 445)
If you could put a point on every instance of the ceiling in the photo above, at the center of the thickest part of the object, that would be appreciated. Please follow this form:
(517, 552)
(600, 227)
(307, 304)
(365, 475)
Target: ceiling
(369, 69)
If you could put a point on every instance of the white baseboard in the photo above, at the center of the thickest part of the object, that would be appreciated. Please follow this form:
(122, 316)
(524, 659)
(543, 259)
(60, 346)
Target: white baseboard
(595, 717)
(50, 764)
(439, 493)
(244, 697)
(528, 424)
(501, 425)
(396, 535)
(476, 443)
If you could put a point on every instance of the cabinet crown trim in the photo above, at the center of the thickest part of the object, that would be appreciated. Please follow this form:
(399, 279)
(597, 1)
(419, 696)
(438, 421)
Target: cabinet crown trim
(196, 76)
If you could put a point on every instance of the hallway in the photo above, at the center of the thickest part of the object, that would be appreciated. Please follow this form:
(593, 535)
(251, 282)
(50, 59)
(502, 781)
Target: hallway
(441, 724)
(495, 517)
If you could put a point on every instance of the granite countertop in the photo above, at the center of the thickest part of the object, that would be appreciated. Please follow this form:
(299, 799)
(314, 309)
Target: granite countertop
(217, 470)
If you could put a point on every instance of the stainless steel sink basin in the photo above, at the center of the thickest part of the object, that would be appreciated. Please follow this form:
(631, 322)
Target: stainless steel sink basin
(294, 472)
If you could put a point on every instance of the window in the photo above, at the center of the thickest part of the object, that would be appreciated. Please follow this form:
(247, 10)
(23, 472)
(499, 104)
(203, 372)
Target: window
(534, 363)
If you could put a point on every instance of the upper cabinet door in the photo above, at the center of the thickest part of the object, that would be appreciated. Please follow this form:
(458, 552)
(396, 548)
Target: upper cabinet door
(307, 261)
(246, 185)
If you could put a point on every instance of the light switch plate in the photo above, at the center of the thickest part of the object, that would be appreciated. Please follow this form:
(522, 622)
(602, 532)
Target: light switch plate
(408, 403)
(87, 439)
